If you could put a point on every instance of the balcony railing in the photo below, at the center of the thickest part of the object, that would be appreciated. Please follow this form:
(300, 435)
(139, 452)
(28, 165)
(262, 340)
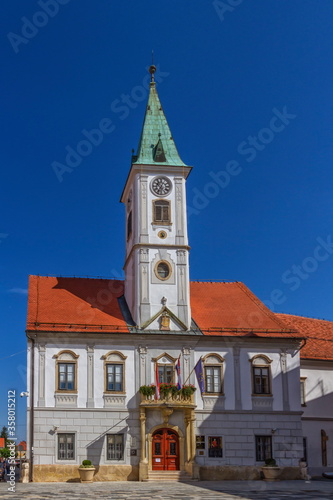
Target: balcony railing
(178, 400)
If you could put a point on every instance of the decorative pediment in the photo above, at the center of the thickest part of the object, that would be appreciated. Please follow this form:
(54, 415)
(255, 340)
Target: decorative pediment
(164, 316)
(165, 359)
(66, 355)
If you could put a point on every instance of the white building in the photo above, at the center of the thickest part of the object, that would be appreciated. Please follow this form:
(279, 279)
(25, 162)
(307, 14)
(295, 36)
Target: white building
(94, 343)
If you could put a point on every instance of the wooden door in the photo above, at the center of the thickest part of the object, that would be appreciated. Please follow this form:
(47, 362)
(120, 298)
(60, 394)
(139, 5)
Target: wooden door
(165, 450)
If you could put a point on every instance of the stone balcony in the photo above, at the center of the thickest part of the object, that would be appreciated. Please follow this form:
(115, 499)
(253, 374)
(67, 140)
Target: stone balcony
(176, 401)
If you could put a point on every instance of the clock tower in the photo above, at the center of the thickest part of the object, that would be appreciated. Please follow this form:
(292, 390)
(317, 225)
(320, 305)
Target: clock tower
(157, 252)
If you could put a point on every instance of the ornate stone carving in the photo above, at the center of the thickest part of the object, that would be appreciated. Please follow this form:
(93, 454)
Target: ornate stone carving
(213, 402)
(66, 400)
(114, 400)
(262, 403)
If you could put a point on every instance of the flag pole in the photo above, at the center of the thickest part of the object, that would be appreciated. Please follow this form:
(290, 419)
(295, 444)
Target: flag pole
(192, 371)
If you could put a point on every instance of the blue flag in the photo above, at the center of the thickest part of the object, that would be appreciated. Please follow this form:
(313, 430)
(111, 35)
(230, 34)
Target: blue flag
(179, 378)
(200, 376)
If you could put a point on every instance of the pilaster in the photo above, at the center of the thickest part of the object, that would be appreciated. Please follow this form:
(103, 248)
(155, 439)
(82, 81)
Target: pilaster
(284, 376)
(41, 375)
(237, 378)
(90, 377)
(143, 223)
(143, 365)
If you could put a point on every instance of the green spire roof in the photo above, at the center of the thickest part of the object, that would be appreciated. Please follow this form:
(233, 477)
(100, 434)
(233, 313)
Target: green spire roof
(156, 144)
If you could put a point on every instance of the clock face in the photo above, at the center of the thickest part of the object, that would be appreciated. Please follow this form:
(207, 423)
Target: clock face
(161, 186)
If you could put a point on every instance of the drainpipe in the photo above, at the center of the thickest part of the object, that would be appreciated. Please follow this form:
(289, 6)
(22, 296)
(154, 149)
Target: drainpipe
(32, 399)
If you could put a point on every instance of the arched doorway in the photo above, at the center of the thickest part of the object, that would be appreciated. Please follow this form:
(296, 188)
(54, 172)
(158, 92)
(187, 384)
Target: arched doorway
(165, 452)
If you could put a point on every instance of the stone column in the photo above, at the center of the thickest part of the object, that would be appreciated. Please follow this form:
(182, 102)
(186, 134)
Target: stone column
(143, 435)
(188, 435)
(237, 378)
(90, 377)
(143, 465)
(284, 376)
(192, 435)
(41, 375)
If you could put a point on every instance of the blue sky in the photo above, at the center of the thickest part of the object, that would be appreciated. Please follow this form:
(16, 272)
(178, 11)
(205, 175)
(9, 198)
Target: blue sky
(247, 90)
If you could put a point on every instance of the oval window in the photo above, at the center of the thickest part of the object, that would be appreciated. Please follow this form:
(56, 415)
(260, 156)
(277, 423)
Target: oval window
(163, 270)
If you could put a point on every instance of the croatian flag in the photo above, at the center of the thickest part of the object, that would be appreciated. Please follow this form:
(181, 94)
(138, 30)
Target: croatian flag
(157, 394)
(179, 378)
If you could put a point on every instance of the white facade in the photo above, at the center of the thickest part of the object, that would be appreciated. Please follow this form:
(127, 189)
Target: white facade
(317, 419)
(88, 382)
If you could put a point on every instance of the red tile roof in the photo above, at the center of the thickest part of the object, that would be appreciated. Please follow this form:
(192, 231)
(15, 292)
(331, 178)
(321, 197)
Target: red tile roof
(87, 304)
(318, 334)
(232, 309)
(60, 304)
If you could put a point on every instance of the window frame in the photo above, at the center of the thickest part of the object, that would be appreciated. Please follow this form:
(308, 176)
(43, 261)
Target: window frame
(303, 390)
(115, 459)
(263, 448)
(163, 203)
(156, 270)
(265, 364)
(62, 460)
(161, 361)
(62, 358)
(219, 365)
(129, 225)
(209, 447)
(113, 358)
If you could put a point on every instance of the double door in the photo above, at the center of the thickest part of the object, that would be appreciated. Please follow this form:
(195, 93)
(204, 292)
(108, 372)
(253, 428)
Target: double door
(165, 450)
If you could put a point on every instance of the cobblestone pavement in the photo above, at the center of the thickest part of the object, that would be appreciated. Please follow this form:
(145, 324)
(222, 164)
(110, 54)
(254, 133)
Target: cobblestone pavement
(201, 490)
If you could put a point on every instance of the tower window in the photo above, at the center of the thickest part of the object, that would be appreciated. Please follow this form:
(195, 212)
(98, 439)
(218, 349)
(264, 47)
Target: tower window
(129, 225)
(163, 270)
(161, 212)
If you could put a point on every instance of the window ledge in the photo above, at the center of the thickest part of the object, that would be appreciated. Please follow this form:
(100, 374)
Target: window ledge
(260, 403)
(156, 224)
(114, 400)
(68, 400)
(213, 401)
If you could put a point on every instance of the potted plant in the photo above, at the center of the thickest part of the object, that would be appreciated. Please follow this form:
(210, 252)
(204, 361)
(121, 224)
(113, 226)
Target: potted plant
(187, 390)
(86, 471)
(270, 470)
(166, 389)
(148, 390)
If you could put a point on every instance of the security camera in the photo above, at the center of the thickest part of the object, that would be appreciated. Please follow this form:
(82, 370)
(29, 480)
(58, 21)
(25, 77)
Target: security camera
(24, 394)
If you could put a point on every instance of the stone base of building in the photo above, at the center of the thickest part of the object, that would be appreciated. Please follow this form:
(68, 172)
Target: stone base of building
(70, 473)
(243, 473)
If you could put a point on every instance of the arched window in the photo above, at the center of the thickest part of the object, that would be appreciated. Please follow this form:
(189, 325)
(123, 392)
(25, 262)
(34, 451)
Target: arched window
(161, 212)
(213, 371)
(129, 225)
(66, 371)
(261, 375)
(114, 372)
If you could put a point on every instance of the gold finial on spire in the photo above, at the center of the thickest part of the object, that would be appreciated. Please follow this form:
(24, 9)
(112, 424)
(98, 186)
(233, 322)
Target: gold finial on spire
(152, 68)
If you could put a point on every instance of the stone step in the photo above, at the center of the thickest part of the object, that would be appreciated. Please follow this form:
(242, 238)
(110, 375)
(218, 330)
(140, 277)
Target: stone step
(169, 475)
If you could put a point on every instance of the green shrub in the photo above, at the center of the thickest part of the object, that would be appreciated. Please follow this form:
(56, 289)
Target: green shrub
(270, 462)
(86, 464)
